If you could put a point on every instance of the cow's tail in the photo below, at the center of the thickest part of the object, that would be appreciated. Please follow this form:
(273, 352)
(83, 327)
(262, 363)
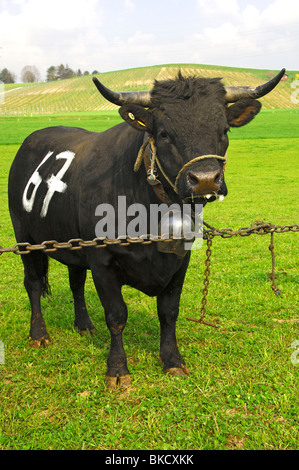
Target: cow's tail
(46, 289)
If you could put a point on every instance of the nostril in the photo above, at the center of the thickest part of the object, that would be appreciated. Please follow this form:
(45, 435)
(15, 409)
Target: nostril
(192, 178)
(217, 177)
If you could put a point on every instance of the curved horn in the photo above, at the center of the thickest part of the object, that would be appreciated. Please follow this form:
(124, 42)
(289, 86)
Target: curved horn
(142, 98)
(235, 93)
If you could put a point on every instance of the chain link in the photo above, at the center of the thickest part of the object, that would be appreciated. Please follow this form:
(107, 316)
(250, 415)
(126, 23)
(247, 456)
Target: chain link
(205, 289)
(49, 246)
(258, 228)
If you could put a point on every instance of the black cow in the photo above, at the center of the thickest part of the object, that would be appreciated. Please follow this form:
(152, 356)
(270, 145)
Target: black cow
(60, 176)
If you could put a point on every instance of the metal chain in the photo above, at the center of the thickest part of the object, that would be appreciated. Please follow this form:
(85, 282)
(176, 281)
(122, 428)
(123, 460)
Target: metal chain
(205, 289)
(272, 275)
(258, 228)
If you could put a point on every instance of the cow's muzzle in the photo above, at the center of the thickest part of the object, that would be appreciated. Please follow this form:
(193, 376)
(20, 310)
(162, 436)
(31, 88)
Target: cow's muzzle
(203, 184)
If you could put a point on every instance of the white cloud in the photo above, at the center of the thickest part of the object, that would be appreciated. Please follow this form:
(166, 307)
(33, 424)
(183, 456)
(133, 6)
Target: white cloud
(44, 33)
(218, 9)
(251, 18)
(102, 35)
(255, 35)
(60, 15)
(281, 12)
(129, 4)
(140, 39)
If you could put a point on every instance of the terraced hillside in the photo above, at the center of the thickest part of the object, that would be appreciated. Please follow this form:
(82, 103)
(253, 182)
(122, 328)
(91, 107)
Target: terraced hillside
(79, 94)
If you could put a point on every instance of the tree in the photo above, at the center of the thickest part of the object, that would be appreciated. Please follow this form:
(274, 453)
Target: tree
(68, 72)
(30, 74)
(51, 74)
(63, 72)
(6, 76)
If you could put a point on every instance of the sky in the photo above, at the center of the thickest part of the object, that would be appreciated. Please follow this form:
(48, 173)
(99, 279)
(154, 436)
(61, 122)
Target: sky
(106, 35)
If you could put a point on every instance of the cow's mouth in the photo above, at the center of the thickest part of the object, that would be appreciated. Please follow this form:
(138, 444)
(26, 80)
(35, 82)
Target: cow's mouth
(203, 198)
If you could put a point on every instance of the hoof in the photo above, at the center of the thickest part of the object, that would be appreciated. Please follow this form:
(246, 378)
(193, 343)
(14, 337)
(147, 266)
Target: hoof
(85, 327)
(38, 343)
(87, 332)
(122, 381)
(178, 371)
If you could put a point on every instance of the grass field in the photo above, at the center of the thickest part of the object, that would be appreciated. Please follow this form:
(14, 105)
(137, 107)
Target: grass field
(242, 389)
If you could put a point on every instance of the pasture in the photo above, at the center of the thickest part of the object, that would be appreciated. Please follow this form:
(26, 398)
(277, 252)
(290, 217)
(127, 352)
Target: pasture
(241, 392)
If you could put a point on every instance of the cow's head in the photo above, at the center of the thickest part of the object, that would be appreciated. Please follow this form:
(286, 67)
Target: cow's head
(189, 118)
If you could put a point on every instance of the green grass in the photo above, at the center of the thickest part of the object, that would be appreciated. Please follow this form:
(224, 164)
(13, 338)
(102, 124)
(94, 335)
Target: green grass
(15, 129)
(241, 392)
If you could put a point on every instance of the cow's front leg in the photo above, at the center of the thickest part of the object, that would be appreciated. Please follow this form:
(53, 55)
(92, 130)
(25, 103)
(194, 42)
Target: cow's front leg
(35, 281)
(116, 313)
(168, 310)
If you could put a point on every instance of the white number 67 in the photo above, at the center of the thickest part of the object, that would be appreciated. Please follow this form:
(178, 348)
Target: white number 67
(54, 182)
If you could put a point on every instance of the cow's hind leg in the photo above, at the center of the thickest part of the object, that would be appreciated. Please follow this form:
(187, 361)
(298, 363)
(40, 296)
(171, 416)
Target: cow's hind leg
(109, 291)
(77, 277)
(36, 284)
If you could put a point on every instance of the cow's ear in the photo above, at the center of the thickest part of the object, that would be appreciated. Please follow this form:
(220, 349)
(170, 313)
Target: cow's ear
(137, 116)
(242, 112)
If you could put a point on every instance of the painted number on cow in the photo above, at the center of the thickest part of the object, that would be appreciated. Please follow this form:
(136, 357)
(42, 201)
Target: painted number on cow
(54, 183)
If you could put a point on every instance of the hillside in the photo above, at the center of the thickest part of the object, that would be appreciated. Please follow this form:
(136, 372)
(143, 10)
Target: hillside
(79, 94)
